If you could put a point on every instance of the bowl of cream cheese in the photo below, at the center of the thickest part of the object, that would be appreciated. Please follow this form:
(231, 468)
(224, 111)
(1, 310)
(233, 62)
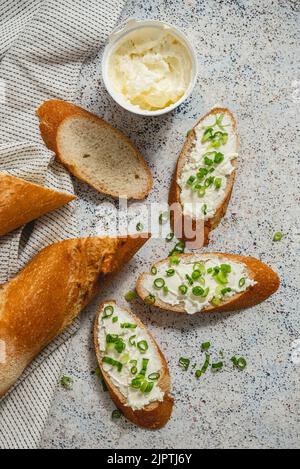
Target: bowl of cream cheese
(149, 67)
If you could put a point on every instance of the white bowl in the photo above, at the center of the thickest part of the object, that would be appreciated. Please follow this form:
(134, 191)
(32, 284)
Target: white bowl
(118, 36)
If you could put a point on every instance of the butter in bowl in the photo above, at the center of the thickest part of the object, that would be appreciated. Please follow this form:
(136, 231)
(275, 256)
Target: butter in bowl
(149, 67)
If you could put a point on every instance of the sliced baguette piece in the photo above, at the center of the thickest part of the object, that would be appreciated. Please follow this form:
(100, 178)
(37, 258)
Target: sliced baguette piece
(50, 292)
(266, 283)
(178, 219)
(22, 201)
(94, 151)
(154, 415)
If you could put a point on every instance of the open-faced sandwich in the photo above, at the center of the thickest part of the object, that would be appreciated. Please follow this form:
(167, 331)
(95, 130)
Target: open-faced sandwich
(205, 174)
(133, 367)
(209, 282)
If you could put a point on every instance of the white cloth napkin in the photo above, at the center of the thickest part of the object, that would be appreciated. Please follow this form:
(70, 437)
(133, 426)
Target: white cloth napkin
(43, 44)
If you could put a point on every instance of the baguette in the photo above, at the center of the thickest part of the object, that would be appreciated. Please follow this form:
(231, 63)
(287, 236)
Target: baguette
(50, 292)
(259, 283)
(94, 151)
(181, 217)
(156, 413)
(22, 202)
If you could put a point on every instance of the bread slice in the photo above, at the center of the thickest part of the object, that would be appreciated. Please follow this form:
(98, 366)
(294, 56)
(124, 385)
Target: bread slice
(154, 415)
(264, 281)
(50, 292)
(21, 202)
(178, 218)
(94, 151)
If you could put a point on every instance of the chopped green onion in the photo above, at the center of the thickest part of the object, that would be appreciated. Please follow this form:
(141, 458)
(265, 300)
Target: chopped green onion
(137, 382)
(226, 268)
(204, 368)
(207, 134)
(111, 361)
(143, 346)
(179, 247)
(202, 281)
(206, 346)
(145, 362)
(209, 181)
(204, 209)
(67, 383)
(130, 296)
(125, 358)
(150, 299)
(196, 274)
(218, 183)
(208, 161)
(202, 173)
(116, 414)
(191, 180)
(216, 301)
(147, 387)
(224, 291)
(206, 292)
(199, 266)
(201, 192)
(221, 278)
(210, 270)
(154, 376)
(170, 272)
(184, 363)
(139, 227)
(219, 157)
(120, 346)
(115, 319)
(165, 290)
(239, 363)
(217, 366)
(189, 279)
(174, 260)
(154, 270)
(277, 236)
(134, 370)
(198, 291)
(131, 341)
(183, 289)
(128, 325)
(163, 218)
(242, 282)
(108, 312)
(170, 237)
(159, 283)
(219, 121)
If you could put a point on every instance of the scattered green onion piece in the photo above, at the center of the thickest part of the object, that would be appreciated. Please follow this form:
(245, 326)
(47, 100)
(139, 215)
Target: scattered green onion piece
(208, 161)
(139, 227)
(137, 382)
(204, 209)
(128, 325)
(242, 282)
(219, 158)
(115, 319)
(111, 361)
(130, 296)
(210, 270)
(189, 279)
(154, 270)
(150, 299)
(206, 346)
(224, 291)
(67, 383)
(199, 266)
(154, 376)
(221, 278)
(202, 173)
(174, 260)
(170, 272)
(134, 370)
(191, 180)
(201, 192)
(145, 362)
(197, 291)
(217, 366)
(183, 289)
(207, 134)
(196, 274)
(216, 301)
(143, 346)
(184, 363)
(170, 237)
(166, 290)
(116, 414)
(218, 183)
(108, 312)
(163, 218)
(149, 387)
(131, 341)
(226, 268)
(277, 236)
(206, 292)
(239, 363)
(120, 346)
(159, 283)
(204, 368)
(219, 121)
(209, 181)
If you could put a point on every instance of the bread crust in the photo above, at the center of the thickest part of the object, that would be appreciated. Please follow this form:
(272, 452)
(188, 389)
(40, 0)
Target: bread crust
(175, 190)
(22, 201)
(156, 414)
(50, 292)
(54, 112)
(267, 284)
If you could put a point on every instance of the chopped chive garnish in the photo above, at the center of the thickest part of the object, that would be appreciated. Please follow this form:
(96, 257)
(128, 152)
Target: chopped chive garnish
(191, 180)
(242, 282)
(239, 363)
(154, 376)
(199, 266)
(170, 237)
(108, 312)
(204, 368)
(218, 183)
(210, 270)
(111, 361)
(159, 283)
(224, 291)
(115, 319)
(197, 291)
(150, 299)
(145, 362)
(207, 134)
(226, 268)
(134, 370)
(189, 279)
(278, 236)
(206, 346)
(202, 173)
(196, 274)
(209, 181)
(154, 270)
(137, 382)
(178, 249)
(174, 260)
(163, 218)
(201, 192)
(139, 227)
(206, 292)
(219, 157)
(208, 161)
(116, 414)
(67, 383)
(184, 363)
(143, 346)
(131, 341)
(170, 272)
(128, 325)
(216, 301)
(221, 278)
(130, 296)
(204, 209)
(217, 366)
(183, 289)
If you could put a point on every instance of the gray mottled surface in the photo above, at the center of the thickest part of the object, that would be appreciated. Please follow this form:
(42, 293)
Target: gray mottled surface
(248, 61)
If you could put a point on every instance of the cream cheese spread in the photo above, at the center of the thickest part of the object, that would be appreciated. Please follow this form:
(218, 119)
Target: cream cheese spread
(197, 282)
(130, 357)
(205, 174)
(151, 69)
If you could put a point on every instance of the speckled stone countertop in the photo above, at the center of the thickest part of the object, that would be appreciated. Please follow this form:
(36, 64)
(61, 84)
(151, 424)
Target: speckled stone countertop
(247, 53)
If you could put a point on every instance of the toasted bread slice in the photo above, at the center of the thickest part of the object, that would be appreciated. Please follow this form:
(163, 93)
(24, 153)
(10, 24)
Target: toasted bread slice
(261, 282)
(155, 414)
(94, 151)
(22, 201)
(181, 219)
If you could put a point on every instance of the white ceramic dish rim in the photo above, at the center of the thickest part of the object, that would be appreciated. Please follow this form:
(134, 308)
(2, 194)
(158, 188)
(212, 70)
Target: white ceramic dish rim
(120, 33)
